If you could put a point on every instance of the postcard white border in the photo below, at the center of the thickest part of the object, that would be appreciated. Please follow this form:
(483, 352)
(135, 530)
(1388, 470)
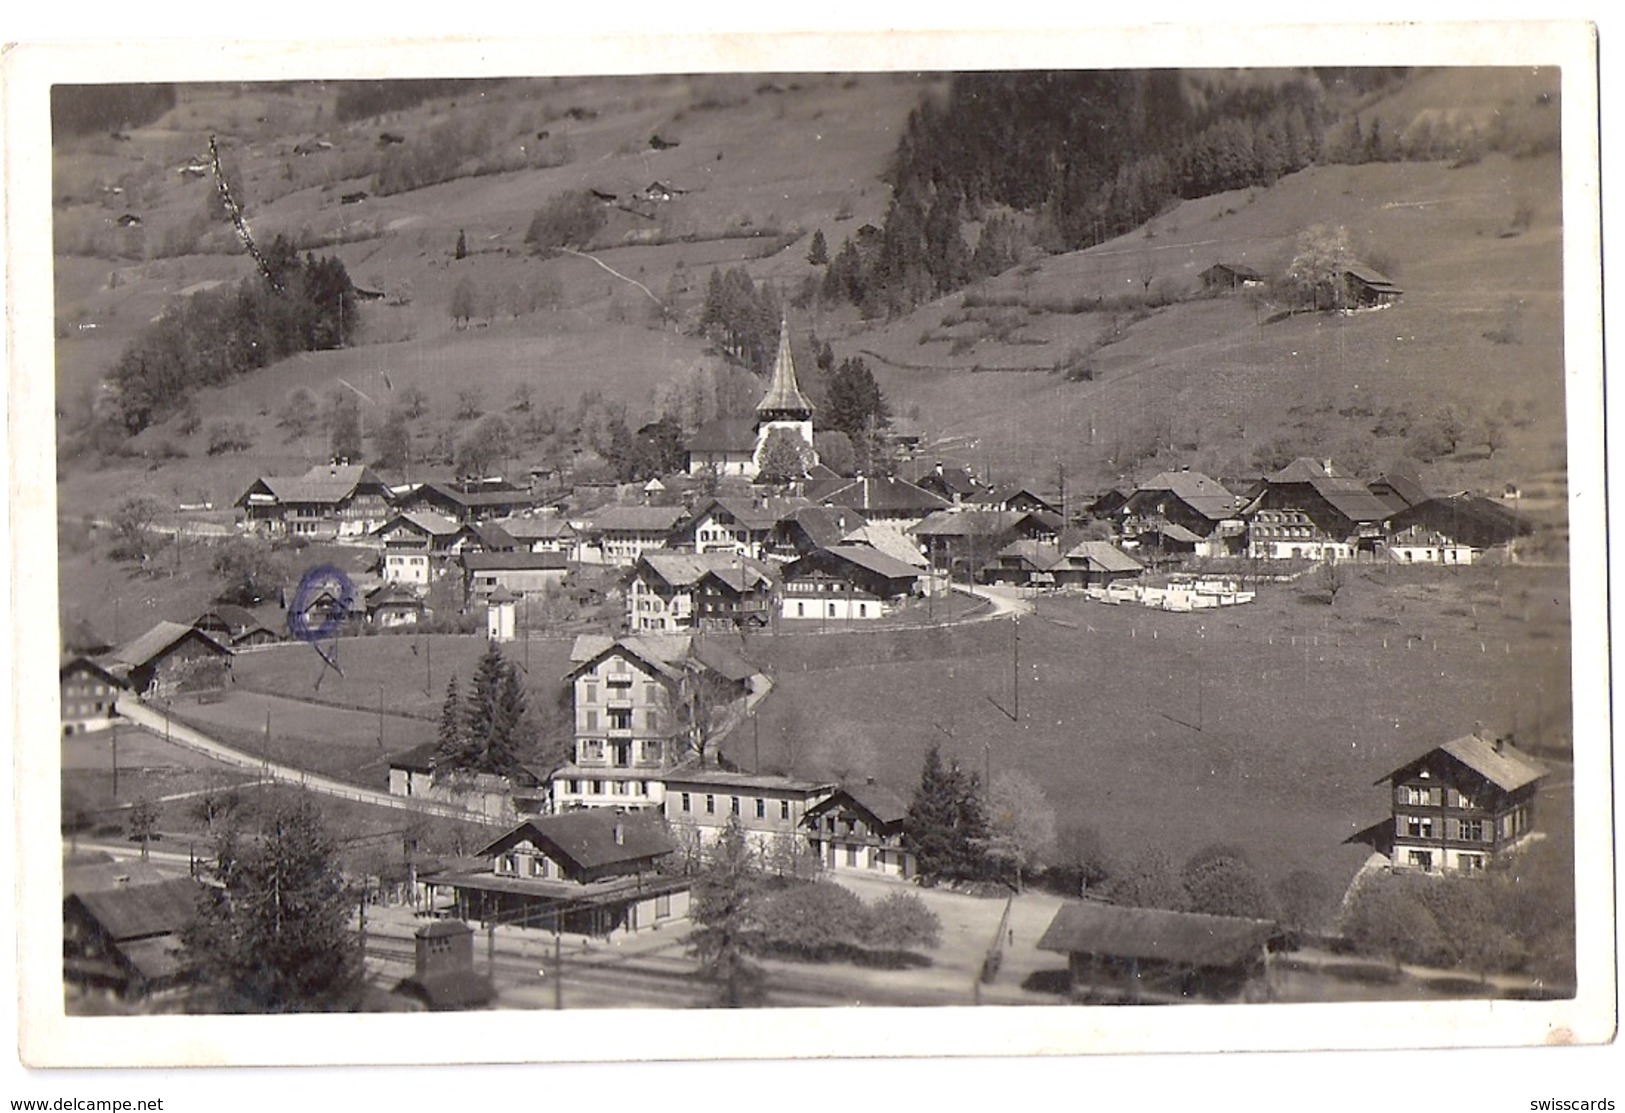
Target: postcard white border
(47, 1037)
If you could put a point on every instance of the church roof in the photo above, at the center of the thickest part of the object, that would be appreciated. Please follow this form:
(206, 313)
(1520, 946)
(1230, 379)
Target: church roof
(783, 395)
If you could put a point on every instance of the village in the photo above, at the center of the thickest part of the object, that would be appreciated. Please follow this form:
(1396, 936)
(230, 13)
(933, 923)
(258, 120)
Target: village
(668, 616)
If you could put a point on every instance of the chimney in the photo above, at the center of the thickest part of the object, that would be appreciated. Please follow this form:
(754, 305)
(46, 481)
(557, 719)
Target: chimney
(868, 780)
(1478, 730)
(620, 834)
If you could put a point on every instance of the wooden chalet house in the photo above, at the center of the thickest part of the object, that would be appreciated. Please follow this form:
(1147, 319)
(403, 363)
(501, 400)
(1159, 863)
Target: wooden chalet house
(619, 535)
(810, 528)
(329, 501)
(89, 696)
(467, 502)
(859, 829)
(1310, 509)
(743, 526)
(957, 484)
(1222, 278)
(235, 626)
(1179, 513)
(1456, 529)
(882, 499)
(527, 574)
(675, 592)
(1015, 496)
(965, 541)
(170, 659)
(846, 582)
(417, 545)
(126, 940)
(544, 533)
(588, 872)
(1463, 805)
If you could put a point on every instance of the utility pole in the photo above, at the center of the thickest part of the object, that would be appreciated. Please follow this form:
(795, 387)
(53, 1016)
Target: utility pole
(115, 761)
(1015, 663)
(380, 716)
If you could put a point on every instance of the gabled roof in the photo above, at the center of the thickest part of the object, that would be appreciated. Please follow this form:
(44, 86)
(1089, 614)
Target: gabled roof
(1196, 939)
(827, 525)
(871, 494)
(757, 514)
(887, 539)
(687, 569)
(421, 521)
(493, 536)
(158, 640)
(1001, 495)
(1240, 270)
(1485, 521)
(485, 495)
(1406, 489)
(543, 528)
(634, 519)
(969, 523)
(693, 773)
(1040, 555)
(664, 653)
(1103, 555)
(882, 805)
(85, 664)
(956, 479)
(1208, 497)
(324, 483)
(783, 395)
(1372, 277)
(726, 435)
(1498, 762)
(587, 838)
(721, 660)
(419, 759)
(1347, 495)
(142, 911)
(872, 560)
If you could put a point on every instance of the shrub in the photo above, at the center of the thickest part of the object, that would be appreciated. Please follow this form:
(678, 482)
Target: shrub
(900, 922)
(571, 219)
(229, 436)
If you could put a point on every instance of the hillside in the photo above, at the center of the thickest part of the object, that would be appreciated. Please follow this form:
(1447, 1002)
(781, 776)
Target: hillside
(755, 165)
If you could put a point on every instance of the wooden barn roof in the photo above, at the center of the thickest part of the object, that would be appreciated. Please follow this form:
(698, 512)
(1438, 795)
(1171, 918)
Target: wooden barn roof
(1188, 938)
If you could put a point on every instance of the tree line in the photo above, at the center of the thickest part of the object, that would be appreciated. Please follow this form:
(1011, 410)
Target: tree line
(297, 305)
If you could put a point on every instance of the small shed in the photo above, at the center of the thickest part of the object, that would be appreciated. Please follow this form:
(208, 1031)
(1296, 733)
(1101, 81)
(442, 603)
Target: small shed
(1368, 287)
(1227, 277)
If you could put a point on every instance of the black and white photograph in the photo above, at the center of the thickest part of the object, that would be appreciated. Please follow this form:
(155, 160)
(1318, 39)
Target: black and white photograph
(982, 543)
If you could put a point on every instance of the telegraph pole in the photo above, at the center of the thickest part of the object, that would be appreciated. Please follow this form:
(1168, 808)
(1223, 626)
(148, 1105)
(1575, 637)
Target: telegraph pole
(1015, 663)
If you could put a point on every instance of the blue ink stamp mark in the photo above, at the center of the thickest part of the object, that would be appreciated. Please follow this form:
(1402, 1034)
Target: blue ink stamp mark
(320, 604)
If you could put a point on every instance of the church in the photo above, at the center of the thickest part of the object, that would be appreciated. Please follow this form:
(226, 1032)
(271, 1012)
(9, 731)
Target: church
(733, 446)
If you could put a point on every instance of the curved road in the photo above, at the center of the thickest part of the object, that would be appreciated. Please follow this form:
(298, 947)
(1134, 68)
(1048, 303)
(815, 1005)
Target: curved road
(143, 715)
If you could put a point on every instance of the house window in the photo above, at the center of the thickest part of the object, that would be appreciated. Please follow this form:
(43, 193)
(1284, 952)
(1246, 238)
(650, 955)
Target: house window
(508, 863)
(1471, 863)
(852, 856)
(1471, 830)
(1421, 859)
(663, 906)
(538, 867)
(620, 718)
(733, 805)
(784, 809)
(592, 693)
(592, 720)
(1418, 827)
(710, 804)
(761, 808)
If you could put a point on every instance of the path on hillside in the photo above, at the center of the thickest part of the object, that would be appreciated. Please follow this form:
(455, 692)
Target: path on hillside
(192, 739)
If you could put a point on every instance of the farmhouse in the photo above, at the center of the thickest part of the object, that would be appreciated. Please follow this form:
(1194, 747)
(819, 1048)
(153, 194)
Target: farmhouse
(1150, 954)
(957, 484)
(394, 605)
(544, 533)
(859, 828)
(1311, 509)
(415, 542)
(619, 535)
(1462, 805)
(883, 499)
(169, 659)
(700, 800)
(591, 872)
(846, 582)
(1096, 562)
(1229, 277)
(698, 591)
(328, 501)
(89, 696)
(1456, 529)
(1023, 563)
(1368, 288)
(970, 539)
(472, 501)
(411, 773)
(739, 525)
(1014, 496)
(234, 626)
(127, 939)
(1183, 511)
(811, 528)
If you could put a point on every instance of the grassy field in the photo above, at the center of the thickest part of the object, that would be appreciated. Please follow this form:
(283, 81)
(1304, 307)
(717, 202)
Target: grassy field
(1263, 726)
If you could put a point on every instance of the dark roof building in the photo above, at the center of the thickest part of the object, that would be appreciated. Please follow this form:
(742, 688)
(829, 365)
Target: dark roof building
(127, 939)
(169, 658)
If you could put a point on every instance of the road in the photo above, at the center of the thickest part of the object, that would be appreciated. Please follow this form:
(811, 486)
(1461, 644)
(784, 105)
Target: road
(180, 734)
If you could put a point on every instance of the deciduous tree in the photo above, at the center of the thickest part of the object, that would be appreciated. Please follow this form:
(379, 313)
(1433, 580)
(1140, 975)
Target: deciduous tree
(727, 931)
(250, 571)
(1020, 823)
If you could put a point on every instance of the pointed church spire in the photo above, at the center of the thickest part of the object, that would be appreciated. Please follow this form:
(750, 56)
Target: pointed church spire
(784, 399)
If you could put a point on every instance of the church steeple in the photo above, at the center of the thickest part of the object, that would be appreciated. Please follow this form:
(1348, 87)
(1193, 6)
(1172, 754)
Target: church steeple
(784, 400)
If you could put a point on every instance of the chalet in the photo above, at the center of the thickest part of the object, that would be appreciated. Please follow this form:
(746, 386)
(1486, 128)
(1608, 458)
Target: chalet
(527, 575)
(546, 533)
(89, 696)
(1138, 955)
(591, 872)
(885, 499)
(958, 484)
(394, 605)
(1399, 489)
(635, 698)
(811, 528)
(417, 544)
(1183, 512)
(1455, 529)
(491, 537)
(1311, 509)
(620, 535)
(127, 939)
(169, 659)
(1368, 288)
(859, 829)
(700, 801)
(1463, 805)
(471, 501)
(846, 582)
(1096, 562)
(1023, 564)
(1014, 496)
(671, 592)
(328, 501)
(970, 539)
(890, 540)
(331, 606)
(738, 525)
(234, 626)
(411, 773)
(1229, 277)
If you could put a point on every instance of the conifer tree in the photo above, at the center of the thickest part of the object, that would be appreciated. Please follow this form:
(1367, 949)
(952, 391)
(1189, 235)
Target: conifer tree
(452, 750)
(818, 252)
